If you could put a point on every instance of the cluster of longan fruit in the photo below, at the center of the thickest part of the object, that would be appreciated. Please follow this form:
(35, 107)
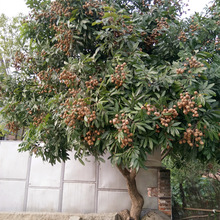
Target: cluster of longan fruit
(58, 9)
(89, 5)
(180, 70)
(192, 63)
(43, 53)
(47, 89)
(166, 119)
(29, 59)
(77, 111)
(38, 119)
(188, 104)
(159, 2)
(44, 75)
(70, 118)
(119, 76)
(19, 58)
(157, 128)
(29, 111)
(143, 33)
(150, 108)
(38, 15)
(73, 92)
(122, 125)
(127, 140)
(192, 137)
(118, 33)
(92, 83)
(161, 24)
(130, 28)
(91, 136)
(194, 27)
(216, 41)
(182, 36)
(12, 126)
(66, 38)
(67, 77)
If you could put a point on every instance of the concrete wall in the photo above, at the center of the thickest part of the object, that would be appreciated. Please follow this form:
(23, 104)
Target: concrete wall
(29, 184)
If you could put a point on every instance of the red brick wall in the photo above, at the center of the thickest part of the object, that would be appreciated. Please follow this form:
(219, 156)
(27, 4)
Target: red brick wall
(164, 192)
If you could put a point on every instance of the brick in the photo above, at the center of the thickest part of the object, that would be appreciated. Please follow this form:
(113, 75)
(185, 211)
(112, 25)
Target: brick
(152, 192)
(169, 213)
(164, 192)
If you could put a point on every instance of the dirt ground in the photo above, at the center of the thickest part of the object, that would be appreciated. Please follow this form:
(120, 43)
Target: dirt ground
(56, 216)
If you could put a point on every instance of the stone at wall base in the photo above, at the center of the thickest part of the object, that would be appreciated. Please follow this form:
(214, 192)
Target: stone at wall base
(153, 215)
(146, 215)
(124, 215)
(75, 218)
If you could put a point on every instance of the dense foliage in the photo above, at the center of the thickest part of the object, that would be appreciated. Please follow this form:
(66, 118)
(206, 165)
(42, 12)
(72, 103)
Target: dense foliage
(122, 77)
(9, 43)
(115, 76)
(196, 185)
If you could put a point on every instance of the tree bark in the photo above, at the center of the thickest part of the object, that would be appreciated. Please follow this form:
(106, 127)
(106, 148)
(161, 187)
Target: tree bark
(137, 200)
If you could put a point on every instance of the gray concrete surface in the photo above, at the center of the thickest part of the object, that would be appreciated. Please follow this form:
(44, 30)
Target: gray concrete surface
(29, 184)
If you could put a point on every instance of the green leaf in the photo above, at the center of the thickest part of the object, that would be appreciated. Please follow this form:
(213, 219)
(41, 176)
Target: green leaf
(110, 14)
(176, 124)
(110, 26)
(148, 127)
(151, 145)
(140, 128)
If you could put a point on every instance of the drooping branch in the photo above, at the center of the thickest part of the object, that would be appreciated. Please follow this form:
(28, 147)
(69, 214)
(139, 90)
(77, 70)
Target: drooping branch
(164, 153)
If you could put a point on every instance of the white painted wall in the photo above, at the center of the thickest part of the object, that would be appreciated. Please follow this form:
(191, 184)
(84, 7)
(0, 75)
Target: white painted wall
(29, 184)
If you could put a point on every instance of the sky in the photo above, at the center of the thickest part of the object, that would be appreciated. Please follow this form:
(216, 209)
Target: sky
(13, 7)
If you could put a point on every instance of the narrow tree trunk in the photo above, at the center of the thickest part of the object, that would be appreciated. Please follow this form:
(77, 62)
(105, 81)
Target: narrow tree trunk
(182, 194)
(22, 134)
(137, 200)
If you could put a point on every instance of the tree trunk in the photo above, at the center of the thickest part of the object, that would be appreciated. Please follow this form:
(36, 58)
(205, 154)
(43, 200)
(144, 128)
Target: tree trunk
(182, 194)
(137, 200)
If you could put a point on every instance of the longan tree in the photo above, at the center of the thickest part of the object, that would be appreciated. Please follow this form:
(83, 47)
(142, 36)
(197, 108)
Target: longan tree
(9, 42)
(123, 77)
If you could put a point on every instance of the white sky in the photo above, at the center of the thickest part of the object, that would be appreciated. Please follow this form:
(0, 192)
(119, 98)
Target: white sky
(14, 7)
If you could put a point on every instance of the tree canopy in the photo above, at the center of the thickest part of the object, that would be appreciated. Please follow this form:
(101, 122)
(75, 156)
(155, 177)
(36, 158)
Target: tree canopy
(9, 43)
(122, 77)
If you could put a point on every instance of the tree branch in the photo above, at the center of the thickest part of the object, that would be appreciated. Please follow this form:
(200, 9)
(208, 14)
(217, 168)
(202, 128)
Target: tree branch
(163, 155)
(133, 173)
(124, 171)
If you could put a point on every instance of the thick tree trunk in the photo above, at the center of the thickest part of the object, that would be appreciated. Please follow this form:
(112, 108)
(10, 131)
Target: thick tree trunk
(137, 200)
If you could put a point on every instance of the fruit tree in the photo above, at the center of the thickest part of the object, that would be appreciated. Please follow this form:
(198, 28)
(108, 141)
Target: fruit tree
(123, 77)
